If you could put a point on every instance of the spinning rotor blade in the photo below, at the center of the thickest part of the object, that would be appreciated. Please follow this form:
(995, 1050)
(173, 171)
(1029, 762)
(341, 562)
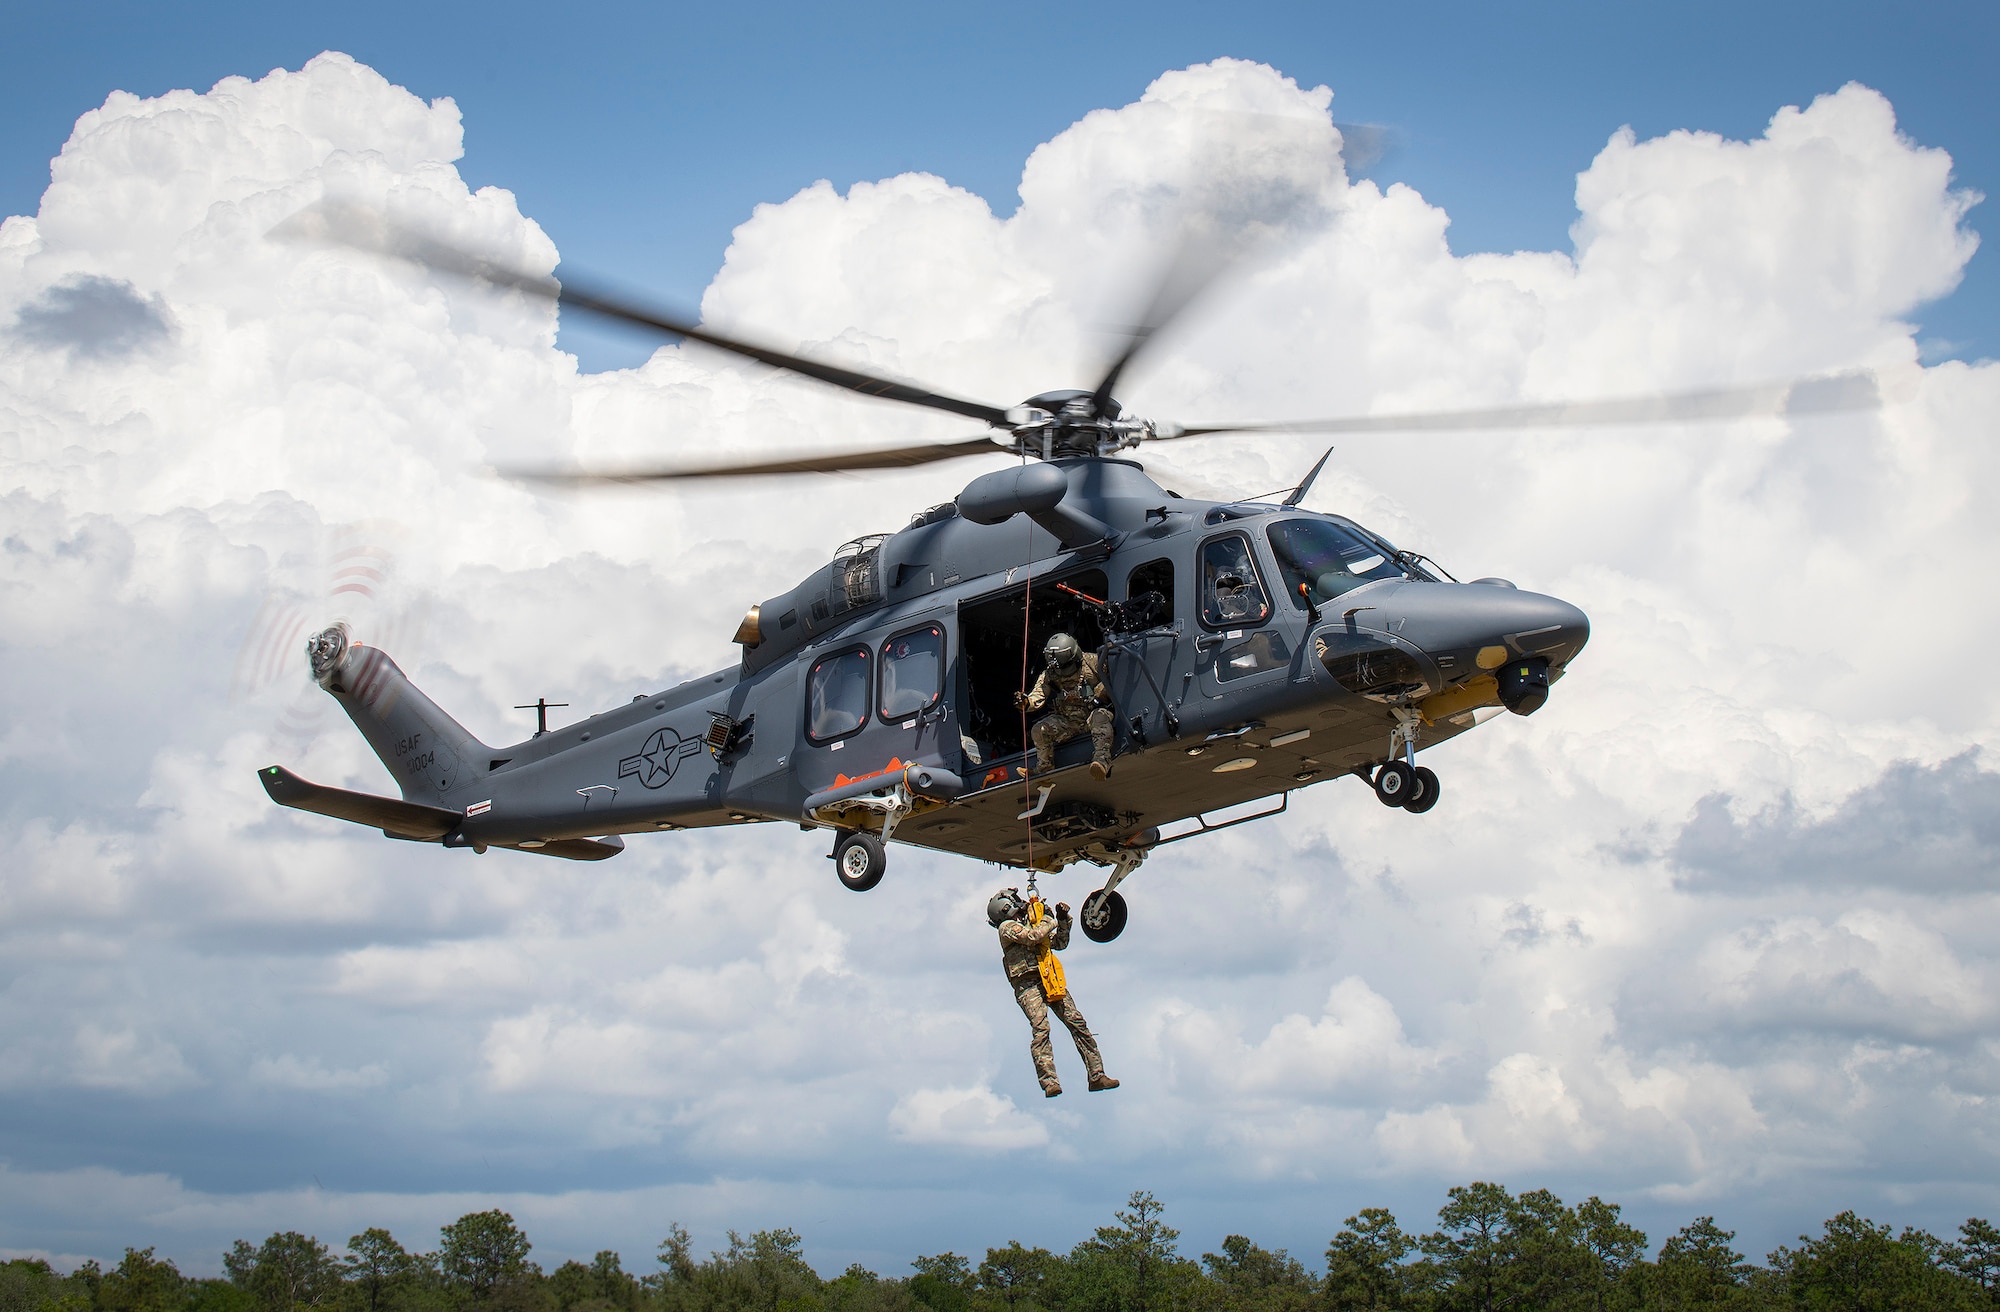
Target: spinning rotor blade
(1822, 395)
(900, 457)
(370, 231)
(1194, 268)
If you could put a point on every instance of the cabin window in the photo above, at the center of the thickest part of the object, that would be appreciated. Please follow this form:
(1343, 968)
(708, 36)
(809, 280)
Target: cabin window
(1321, 559)
(1259, 652)
(1155, 577)
(912, 673)
(1232, 594)
(837, 696)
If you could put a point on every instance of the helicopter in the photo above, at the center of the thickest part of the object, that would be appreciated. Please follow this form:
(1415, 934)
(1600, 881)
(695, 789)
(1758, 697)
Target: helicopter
(1250, 648)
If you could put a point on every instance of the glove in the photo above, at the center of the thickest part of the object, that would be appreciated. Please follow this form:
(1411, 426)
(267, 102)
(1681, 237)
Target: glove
(1062, 911)
(1021, 700)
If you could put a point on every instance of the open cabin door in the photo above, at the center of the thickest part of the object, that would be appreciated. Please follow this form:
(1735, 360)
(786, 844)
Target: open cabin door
(1000, 653)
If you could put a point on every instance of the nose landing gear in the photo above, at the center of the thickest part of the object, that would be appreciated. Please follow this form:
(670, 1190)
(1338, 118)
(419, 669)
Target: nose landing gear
(1403, 782)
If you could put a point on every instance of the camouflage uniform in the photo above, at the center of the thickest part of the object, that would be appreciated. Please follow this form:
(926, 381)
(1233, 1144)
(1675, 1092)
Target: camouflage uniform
(1075, 712)
(1020, 952)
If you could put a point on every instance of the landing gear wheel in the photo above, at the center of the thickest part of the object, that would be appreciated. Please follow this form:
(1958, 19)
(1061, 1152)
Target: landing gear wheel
(1424, 794)
(1103, 915)
(1395, 783)
(859, 860)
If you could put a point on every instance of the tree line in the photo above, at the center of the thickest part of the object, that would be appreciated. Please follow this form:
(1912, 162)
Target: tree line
(1491, 1250)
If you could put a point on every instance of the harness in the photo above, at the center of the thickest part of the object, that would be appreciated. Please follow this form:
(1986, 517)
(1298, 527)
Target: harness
(1053, 986)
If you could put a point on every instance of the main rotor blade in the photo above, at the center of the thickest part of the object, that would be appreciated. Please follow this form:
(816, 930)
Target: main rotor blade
(1220, 228)
(369, 231)
(899, 457)
(1825, 395)
(1191, 271)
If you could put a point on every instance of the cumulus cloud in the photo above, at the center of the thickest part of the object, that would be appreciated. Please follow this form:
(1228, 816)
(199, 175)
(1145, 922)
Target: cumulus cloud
(975, 1118)
(1355, 1049)
(92, 315)
(1712, 929)
(1923, 828)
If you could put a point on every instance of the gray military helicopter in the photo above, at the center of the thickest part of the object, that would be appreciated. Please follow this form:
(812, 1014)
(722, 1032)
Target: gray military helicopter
(1250, 649)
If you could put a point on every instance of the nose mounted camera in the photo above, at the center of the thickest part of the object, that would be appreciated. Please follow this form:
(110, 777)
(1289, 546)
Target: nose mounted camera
(1524, 685)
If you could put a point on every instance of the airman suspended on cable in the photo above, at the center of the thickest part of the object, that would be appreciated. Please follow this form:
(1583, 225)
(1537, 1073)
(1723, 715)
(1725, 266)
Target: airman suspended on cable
(1029, 939)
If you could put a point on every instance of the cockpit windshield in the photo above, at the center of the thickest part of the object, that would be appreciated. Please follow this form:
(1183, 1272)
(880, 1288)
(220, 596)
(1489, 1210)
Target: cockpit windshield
(1322, 559)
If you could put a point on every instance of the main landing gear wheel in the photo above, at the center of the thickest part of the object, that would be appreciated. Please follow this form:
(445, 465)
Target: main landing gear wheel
(1424, 792)
(1396, 783)
(859, 860)
(1103, 915)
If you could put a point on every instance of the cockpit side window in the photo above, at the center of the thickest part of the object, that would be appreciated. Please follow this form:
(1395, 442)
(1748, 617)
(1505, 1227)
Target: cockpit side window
(1320, 559)
(912, 673)
(1232, 593)
(837, 696)
(1154, 579)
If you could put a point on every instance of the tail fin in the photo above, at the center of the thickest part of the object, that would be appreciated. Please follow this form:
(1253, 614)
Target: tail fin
(429, 753)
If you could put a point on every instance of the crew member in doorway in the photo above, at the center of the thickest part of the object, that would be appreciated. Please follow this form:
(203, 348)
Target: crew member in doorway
(1073, 688)
(1029, 938)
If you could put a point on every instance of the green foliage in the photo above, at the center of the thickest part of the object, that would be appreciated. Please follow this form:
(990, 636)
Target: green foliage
(29, 1284)
(1266, 1280)
(601, 1286)
(942, 1283)
(1976, 1257)
(1365, 1264)
(142, 1283)
(1471, 1254)
(765, 1273)
(1133, 1266)
(1697, 1270)
(1859, 1265)
(220, 1296)
(379, 1271)
(289, 1272)
(1017, 1279)
(860, 1290)
(1611, 1253)
(1492, 1251)
(483, 1254)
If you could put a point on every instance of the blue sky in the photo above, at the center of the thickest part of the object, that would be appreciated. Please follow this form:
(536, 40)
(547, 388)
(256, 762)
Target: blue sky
(639, 135)
(217, 1020)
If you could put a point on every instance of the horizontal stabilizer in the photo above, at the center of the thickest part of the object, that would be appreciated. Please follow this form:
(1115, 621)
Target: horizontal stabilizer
(395, 818)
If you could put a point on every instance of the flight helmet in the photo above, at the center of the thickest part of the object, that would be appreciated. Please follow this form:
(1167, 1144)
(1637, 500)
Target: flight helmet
(1063, 652)
(1006, 905)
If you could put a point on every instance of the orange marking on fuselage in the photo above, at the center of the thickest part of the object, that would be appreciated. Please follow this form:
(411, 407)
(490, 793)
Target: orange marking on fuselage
(893, 767)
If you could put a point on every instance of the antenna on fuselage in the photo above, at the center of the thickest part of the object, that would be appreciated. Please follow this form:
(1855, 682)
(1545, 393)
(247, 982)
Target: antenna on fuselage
(1305, 484)
(541, 706)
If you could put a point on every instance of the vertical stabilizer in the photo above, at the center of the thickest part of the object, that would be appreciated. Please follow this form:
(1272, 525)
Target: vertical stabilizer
(429, 753)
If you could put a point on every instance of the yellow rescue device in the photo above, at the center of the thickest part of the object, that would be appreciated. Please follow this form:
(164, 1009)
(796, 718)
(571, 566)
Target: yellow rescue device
(1053, 985)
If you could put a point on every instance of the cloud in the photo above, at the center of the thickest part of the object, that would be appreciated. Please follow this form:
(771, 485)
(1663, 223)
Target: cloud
(1932, 829)
(1355, 1049)
(96, 317)
(1711, 929)
(286, 1071)
(975, 1118)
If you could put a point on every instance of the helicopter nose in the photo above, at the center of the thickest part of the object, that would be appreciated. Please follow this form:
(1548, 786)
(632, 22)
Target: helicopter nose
(1489, 624)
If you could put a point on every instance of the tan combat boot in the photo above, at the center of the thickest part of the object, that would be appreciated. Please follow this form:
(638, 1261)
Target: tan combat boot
(1100, 1082)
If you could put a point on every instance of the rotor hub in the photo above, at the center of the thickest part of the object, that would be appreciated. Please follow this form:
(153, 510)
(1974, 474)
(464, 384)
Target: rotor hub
(1071, 422)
